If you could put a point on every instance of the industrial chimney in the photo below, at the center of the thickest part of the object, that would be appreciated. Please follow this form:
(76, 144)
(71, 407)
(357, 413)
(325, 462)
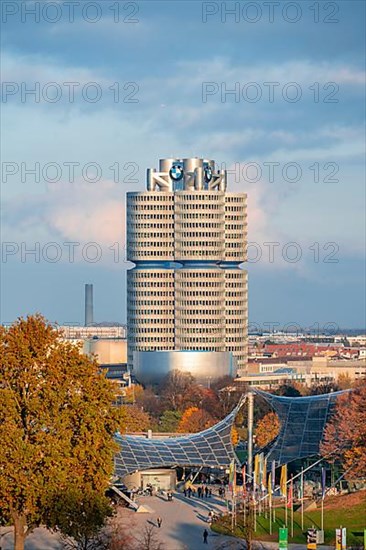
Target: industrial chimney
(88, 305)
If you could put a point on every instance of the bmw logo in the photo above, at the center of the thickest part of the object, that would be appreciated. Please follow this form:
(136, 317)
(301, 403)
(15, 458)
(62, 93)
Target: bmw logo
(176, 173)
(208, 174)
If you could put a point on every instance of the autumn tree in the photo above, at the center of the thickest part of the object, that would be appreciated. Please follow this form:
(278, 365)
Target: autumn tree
(234, 436)
(57, 424)
(221, 383)
(344, 381)
(319, 389)
(133, 394)
(267, 429)
(180, 391)
(195, 420)
(133, 419)
(210, 402)
(345, 434)
(229, 397)
(150, 402)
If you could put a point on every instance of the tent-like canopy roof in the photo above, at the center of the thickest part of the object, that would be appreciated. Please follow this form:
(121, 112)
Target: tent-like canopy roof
(302, 421)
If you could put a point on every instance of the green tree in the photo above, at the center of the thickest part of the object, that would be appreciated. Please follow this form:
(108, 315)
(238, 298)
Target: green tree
(81, 517)
(57, 424)
(287, 390)
(169, 421)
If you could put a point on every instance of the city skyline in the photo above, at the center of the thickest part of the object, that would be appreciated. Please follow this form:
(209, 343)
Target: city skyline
(286, 155)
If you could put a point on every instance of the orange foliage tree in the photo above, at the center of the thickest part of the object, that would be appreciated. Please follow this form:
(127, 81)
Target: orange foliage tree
(194, 420)
(57, 426)
(345, 434)
(234, 436)
(133, 393)
(267, 429)
(133, 419)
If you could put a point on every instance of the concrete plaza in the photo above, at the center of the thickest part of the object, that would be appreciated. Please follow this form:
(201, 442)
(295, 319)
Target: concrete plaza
(183, 522)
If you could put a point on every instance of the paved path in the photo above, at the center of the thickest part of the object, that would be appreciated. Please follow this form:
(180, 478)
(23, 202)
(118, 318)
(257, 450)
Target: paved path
(184, 521)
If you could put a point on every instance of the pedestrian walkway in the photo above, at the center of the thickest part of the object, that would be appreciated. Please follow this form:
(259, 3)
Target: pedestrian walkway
(183, 523)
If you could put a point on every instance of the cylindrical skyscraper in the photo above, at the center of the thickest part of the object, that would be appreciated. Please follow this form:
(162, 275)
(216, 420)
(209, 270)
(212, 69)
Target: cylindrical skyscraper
(187, 237)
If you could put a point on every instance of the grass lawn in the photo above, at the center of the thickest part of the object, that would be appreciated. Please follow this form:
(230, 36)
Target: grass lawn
(337, 514)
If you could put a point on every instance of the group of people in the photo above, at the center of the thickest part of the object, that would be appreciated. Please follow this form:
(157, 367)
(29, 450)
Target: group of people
(201, 492)
(149, 489)
(211, 516)
(221, 491)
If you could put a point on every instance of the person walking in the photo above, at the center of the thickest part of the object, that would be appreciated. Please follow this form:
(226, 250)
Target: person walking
(159, 521)
(205, 536)
(206, 491)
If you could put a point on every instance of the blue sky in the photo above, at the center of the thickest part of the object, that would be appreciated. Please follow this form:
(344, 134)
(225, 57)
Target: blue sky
(163, 65)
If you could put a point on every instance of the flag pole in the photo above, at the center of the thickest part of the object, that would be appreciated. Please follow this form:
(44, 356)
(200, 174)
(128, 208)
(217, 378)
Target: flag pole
(323, 495)
(244, 510)
(255, 512)
(322, 527)
(235, 519)
(270, 516)
(286, 515)
(292, 509)
(269, 487)
(302, 499)
(273, 487)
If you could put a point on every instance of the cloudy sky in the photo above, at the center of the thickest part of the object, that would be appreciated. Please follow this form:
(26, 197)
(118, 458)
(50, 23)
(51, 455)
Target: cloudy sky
(96, 92)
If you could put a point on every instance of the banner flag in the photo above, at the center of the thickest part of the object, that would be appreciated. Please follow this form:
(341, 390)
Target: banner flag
(283, 481)
(231, 475)
(323, 482)
(256, 470)
(264, 478)
(243, 471)
(338, 539)
(290, 495)
(270, 488)
(301, 491)
(260, 476)
(344, 538)
(273, 474)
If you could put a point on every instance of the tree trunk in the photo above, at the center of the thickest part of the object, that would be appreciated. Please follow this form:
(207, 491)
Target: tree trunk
(19, 531)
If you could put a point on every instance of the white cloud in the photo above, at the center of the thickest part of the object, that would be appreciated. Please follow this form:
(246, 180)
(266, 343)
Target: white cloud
(147, 131)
